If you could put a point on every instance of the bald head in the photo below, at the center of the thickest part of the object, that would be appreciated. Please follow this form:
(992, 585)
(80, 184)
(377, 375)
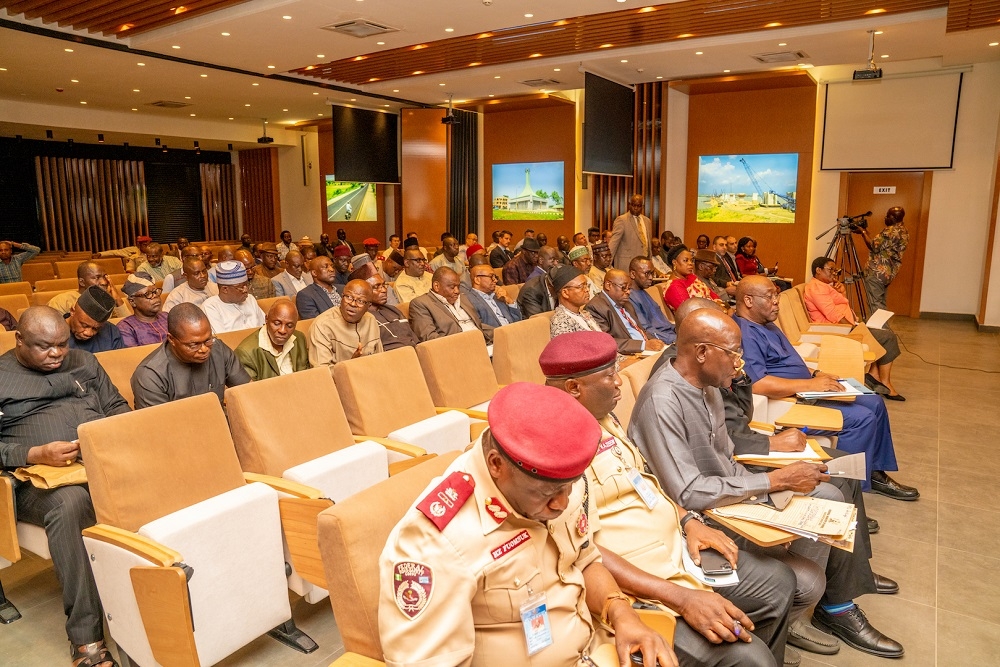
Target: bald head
(617, 286)
(284, 309)
(42, 339)
(688, 306)
(280, 322)
(446, 283)
(226, 253)
(757, 299)
(708, 349)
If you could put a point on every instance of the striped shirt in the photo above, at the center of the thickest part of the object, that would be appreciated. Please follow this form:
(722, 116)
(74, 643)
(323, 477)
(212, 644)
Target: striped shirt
(10, 272)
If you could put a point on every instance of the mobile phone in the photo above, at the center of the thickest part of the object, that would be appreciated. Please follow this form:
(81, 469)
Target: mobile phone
(713, 562)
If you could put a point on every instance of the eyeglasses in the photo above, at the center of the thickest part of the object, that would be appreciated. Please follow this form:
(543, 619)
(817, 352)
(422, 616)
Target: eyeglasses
(149, 294)
(582, 285)
(492, 277)
(244, 287)
(773, 298)
(194, 347)
(381, 287)
(736, 355)
(355, 301)
(625, 288)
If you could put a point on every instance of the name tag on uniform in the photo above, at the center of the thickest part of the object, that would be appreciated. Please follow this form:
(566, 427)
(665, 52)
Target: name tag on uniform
(642, 487)
(535, 621)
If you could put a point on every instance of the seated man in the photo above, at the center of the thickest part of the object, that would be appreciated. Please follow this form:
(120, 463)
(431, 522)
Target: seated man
(342, 265)
(233, 308)
(46, 392)
(132, 255)
(225, 253)
(443, 312)
(651, 317)
(158, 265)
(500, 254)
(616, 315)
(571, 314)
(391, 266)
(580, 258)
(87, 274)
(260, 286)
(777, 371)
(679, 425)
(513, 528)
(347, 331)
(414, 281)
(602, 262)
(490, 300)
(196, 287)
(190, 362)
(449, 256)
(537, 296)
(10, 264)
(393, 328)
(88, 322)
(294, 278)
(826, 301)
(148, 324)
(640, 524)
(268, 267)
(519, 270)
(276, 348)
(320, 295)
(178, 278)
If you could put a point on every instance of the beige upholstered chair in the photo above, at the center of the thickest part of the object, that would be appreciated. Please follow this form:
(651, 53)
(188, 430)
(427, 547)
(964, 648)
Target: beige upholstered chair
(60, 284)
(513, 290)
(265, 304)
(43, 298)
(15, 536)
(22, 287)
(234, 338)
(187, 553)
(121, 364)
(7, 341)
(32, 272)
(516, 348)
(14, 303)
(458, 371)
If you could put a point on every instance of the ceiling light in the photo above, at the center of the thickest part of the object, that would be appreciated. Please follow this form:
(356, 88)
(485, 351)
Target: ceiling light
(74, 81)
(535, 55)
(659, 77)
(885, 55)
(647, 9)
(82, 102)
(416, 48)
(192, 115)
(475, 64)
(698, 53)
(270, 66)
(491, 95)
(135, 90)
(246, 105)
(68, 50)
(624, 60)
(354, 99)
(440, 84)
(556, 69)
(621, 0)
(685, 35)
(254, 84)
(373, 79)
(418, 72)
(319, 114)
(175, 47)
(3, 69)
(358, 58)
(284, 109)
(726, 71)
(134, 109)
(386, 106)
(994, 43)
(605, 46)
(204, 76)
(875, 11)
(287, 18)
(449, 30)
(309, 67)
(320, 55)
(878, 32)
(528, 16)
(230, 118)
(496, 77)
(380, 43)
(187, 97)
(315, 93)
(395, 90)
(225, 34)
(141, 64)
(782, 43)
(773, 24)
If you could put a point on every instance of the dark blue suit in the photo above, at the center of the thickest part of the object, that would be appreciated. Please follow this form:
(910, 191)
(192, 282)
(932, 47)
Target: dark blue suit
(486, 314)
(651, 317)
(313, 300)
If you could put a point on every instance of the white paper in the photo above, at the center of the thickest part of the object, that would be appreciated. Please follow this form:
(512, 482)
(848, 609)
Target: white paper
(804, 513)
(851, 388)
(851, 466)
(650, 353)
(715, 581)
(879, 318)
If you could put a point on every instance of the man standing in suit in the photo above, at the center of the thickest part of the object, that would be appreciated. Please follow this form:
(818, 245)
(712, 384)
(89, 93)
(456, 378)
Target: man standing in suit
(616, 315)
(630, 234)
(491, 302)
(442, 312)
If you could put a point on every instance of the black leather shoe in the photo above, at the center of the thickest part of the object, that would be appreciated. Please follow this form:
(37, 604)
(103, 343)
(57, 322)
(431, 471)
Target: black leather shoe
(894, 397)
(875, 385)
(885, 585)
(852, 628)
(873, 526)
(887, 486)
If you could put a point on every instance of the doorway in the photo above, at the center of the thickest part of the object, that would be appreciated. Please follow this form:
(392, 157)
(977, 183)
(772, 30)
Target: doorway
(912, 191)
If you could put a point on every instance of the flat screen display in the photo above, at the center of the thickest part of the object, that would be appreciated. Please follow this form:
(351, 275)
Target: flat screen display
(608, 112)
(350, 201)
(365, 145)
(747, 188)
(529, 191)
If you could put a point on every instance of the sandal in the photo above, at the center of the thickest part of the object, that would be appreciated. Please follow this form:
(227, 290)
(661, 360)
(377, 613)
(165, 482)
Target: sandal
(91, 655)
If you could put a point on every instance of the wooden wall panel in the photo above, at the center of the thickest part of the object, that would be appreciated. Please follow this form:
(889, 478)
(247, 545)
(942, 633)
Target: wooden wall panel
(218, 202)
(611, 193)
(90, 204)
(260, 192)
(424, 170)
(777, 120)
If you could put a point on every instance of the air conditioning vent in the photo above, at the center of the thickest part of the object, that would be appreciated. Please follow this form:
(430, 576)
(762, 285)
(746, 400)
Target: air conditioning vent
(360, 28)
(541, 83)
(169, 104)
(781, 57)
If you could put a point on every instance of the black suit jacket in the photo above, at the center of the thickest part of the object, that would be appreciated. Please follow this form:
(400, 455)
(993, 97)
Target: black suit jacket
(500, 256)
(312, 301)
(533, 297)
(611, 323)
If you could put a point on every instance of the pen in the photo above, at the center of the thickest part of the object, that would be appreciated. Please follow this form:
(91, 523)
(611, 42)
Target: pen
(836, 474)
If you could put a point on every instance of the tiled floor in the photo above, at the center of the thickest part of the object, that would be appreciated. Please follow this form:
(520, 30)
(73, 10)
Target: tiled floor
(943, 549)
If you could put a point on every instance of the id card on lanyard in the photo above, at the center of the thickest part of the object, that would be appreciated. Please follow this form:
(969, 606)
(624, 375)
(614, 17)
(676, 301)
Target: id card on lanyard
(642, 487)
(535, 622)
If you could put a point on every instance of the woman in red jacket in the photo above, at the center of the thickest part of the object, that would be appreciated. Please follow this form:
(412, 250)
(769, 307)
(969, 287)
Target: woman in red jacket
(749, 264)
(686, 284)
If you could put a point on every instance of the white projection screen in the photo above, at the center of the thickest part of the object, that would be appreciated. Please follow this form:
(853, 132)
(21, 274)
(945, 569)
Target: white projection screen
(904, 123)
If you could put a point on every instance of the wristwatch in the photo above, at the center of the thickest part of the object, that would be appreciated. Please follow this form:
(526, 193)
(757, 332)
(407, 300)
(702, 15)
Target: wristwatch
(691, 515)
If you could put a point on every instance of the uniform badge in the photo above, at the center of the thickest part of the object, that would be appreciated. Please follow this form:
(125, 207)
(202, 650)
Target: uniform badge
(412, 585)
(443, 502)
(496, 509)
(606, 444)
(510, 544)
(582, 524)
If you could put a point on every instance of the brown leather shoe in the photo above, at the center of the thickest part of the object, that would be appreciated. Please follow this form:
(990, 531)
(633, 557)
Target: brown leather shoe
(887, 486)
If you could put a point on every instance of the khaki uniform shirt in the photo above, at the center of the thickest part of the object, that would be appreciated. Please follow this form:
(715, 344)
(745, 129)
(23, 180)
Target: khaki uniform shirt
(476, 573)
(650, 539)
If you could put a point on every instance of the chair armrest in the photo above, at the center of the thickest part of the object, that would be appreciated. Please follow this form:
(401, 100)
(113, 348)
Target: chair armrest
(139, 545)
(474, 414)
(759, 534)
(299, 523)
(355, 660)
(761, 427)
(284, 486)
(394, 445)
(9, 547)
(811, 416)
(830, 329)
(406, 464)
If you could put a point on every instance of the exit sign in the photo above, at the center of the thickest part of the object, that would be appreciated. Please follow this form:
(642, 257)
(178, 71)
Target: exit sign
(885, 189)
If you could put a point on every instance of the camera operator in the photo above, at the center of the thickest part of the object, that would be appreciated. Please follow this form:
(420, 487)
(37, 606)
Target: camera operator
(886, 255)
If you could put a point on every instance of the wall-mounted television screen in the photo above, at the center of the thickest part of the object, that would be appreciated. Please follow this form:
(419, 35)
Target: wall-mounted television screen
(529, 191)
(747, 188)
(346, 201)
(608, 112)
(365, 145)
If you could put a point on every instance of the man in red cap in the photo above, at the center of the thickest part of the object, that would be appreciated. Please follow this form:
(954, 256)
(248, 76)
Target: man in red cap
(371, 247)
(496, 563)
(642, 524)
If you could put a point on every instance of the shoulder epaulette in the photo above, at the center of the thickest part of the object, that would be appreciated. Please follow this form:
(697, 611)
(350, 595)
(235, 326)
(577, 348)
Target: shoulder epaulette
(442, 503)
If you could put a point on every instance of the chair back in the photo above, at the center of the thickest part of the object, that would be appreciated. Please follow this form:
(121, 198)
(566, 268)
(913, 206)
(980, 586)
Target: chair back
(513, 290)
(22, 287)
(32, 272)
(516, 348)
(268, 444)
(796, 299)
(657, 294)
(7, 341)
(404, 309)
(138, 474)
(623, 410)
(457, 369)
(14, 303)
(121, 364)
(787, 321)
(637, 374)
(265, 304)
(843, 357)
(352, 535)
(232, 339)
(43, 298)
(304, 326)
(383, 392)
(61, 284)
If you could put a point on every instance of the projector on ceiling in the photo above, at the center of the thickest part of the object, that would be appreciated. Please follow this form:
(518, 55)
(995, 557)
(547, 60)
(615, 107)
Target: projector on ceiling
(864, 74)
(265, 140)
(450, 119)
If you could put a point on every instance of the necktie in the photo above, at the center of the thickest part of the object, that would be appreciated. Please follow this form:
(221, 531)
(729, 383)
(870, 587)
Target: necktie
(642, 234)
(631, 322)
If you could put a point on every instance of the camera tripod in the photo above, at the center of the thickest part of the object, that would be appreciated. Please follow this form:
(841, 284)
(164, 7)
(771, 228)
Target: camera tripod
(843, 251)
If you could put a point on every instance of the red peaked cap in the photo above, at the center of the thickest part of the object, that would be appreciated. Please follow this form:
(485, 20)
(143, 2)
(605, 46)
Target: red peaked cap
(522, 417)
(576, 354)
(342, 251)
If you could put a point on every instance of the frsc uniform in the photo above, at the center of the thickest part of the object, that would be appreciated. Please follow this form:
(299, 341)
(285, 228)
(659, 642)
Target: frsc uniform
(460, 564)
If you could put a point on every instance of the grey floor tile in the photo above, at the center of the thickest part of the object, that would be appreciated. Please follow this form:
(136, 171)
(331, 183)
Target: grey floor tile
(912, 564)
(966, 642)
(968, 488)
(965, 584)
(969, 529)
(913, 520)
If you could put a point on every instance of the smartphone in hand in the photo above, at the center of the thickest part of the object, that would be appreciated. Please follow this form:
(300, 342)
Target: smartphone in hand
(714, 563)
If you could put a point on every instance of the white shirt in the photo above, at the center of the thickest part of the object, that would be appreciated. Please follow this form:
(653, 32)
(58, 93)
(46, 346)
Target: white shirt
(184, 293)
(233, 317)
(463, 318)
(284, 249)
(283, 358)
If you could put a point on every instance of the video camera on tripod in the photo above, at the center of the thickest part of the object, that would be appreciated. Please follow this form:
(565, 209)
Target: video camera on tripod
(844, 253)
(855, 223)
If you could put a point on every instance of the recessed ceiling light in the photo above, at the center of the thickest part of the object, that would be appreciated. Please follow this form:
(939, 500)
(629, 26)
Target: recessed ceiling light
(270, 66)
(354, 99)
(449, 30)
(659, 77)
(225, 34)
(726, 71)
(68, 50)
(624, 60)
(204, 76)
(135, 90)
(284, 109)
(605, 46)
(528, 16)
(315, 93)
(535, 55)
(621, 0)
(698, 53)
(491, 95)
(134, 109)
(141, 64)
(74, 81)
(380, 43)
(875, 11)
(418, 72)
(440, 84)
(3, 69)
(773, 24)
(82, 102)
(395, 90)
(386, 105)
(646, 10)
(230, 118)
(994, 43)
(319, 114)
(685, 35)
(885, 55)
(246, 105)
(556, 69)
(320, 55)
(286, 17)
(496, 77)
(254, 84)
(175, 46)
(193, 115)
(782, 43)
(187, 97)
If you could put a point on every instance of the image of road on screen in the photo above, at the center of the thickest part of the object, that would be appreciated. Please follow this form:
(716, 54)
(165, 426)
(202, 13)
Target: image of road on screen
(346, 202)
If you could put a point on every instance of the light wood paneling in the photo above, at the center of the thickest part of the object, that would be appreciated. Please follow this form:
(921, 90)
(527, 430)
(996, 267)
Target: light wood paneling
(260, 193)
(218, 201)
(424, 171)
(971, 14)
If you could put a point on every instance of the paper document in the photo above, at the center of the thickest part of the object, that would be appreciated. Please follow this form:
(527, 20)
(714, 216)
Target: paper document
(879, 318)
(714, 580)
(650, 353)
(851, 388)
(851, 466)
(804, 513)
(812, 452)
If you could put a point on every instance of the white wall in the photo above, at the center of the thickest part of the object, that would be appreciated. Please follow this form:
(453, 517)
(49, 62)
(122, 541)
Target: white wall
(301, 209)
(991, 317)
(676, 162)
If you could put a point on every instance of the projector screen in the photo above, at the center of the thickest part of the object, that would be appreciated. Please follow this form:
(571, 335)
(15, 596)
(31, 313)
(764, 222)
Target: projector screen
(904, 123)
(608, 110)
(529, 191)
(365, 146)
